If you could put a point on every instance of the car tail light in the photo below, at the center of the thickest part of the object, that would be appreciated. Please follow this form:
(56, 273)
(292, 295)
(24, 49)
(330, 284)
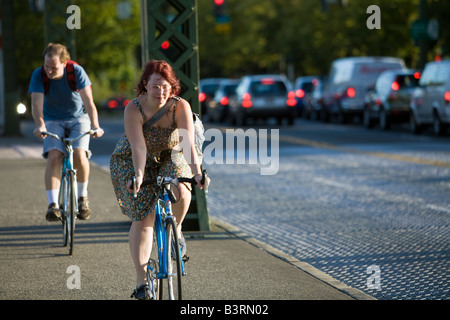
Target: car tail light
(267, 81)
(417, 75)
(447, 97)
(300, 93)
(201, 97)
(224, 101)
(291, 102)
(395, 86)
(351, 92)
(247, 100)
(112, 104)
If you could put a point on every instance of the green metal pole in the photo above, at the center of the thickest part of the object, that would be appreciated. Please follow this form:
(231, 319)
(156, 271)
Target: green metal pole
(169, 32)
(11, 99)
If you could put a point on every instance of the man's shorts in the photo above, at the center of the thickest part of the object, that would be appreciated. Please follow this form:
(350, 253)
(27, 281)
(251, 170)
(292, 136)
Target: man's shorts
(75, 128)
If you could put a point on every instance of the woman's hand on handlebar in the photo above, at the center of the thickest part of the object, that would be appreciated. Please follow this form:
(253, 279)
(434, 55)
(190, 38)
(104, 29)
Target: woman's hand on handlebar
(134, 185)
(202, 180)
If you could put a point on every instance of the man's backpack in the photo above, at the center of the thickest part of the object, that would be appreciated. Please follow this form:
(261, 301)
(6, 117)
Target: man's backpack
(70, 77)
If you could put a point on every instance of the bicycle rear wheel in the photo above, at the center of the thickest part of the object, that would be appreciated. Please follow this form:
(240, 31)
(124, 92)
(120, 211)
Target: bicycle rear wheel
(173, 256)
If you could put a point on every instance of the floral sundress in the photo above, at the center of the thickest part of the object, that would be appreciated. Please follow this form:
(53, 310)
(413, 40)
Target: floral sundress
(160, 162)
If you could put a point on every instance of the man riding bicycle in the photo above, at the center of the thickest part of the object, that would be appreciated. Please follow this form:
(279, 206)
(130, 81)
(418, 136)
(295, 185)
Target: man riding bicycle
(62, 103)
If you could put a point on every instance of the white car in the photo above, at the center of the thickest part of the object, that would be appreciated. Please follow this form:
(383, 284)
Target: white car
(430, 102)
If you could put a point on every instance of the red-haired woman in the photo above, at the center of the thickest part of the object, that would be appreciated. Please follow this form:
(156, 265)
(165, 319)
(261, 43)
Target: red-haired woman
(145, 151)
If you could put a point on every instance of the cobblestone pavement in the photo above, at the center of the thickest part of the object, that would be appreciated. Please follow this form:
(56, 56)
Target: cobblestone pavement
(349, 215)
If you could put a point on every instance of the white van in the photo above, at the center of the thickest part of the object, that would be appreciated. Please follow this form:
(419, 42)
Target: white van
(430, 102)
(349, 81)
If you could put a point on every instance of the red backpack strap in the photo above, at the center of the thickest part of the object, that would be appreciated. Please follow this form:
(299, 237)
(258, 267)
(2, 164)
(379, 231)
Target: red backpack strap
(71, 75)
(45, 80)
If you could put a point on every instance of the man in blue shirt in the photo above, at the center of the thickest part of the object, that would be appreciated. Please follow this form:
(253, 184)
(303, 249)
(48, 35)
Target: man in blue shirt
(59, 109)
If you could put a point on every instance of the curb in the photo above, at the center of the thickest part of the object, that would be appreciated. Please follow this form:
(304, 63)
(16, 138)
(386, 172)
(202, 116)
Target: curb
(306, 267)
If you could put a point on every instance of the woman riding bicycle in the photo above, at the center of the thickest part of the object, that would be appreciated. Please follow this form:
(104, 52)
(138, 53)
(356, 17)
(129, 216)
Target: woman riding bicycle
(145, 151)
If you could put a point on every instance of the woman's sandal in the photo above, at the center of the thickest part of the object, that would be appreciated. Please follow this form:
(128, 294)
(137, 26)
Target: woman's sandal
(142, 293)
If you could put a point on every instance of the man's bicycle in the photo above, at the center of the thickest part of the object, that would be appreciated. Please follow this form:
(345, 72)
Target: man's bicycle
(166, 265)
(68, 192)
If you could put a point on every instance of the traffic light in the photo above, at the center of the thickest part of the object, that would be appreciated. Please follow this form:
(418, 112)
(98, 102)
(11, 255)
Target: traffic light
(219, 7)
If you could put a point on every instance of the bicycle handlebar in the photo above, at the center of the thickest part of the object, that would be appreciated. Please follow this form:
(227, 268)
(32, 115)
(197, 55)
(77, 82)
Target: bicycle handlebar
(164, 181)
(63, 139)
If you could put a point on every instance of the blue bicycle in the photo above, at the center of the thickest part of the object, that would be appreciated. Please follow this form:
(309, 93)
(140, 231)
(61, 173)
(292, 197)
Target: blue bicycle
(68, 198)
(165, 262)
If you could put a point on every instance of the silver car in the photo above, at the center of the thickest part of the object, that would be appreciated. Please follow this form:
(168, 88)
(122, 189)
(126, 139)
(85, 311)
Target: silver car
(430, 102)
(263, 96)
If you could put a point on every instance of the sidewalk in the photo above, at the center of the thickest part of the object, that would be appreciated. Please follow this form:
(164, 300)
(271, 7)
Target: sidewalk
(225, 263)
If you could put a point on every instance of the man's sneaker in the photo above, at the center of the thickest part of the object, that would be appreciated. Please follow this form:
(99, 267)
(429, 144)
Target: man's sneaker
(53, 213)
(83, 208)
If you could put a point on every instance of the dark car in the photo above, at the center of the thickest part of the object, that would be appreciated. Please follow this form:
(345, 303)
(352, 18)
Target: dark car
(349, 81)
(117, 103)
(303, 88)
(389, 101)
(263, 97)
(217, 109)
(207, 89)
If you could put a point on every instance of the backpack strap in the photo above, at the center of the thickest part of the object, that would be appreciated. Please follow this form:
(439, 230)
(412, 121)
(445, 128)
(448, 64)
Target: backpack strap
(70, 77)
(45, 80)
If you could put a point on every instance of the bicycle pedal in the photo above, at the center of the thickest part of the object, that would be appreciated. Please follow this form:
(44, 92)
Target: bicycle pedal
(185, 258)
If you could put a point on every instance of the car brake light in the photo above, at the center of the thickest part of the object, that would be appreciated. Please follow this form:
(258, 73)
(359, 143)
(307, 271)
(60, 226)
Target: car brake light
(395, 86)
(291, 102)
(300, 93)
(201, 97)
(447, 97)
(112, 104)
(224, 101)
(246, 102)
(351, 92)
(267, 81)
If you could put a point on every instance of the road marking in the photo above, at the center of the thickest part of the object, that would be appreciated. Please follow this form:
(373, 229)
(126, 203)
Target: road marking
(379, 154)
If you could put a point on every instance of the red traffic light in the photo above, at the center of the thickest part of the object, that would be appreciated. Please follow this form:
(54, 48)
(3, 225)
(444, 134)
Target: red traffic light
(218, 2)
(165, 45)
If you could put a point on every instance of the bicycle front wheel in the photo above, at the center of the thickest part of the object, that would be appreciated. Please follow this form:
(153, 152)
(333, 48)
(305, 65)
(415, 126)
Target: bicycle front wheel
(173, 257)
(72, 209)
(154, 283)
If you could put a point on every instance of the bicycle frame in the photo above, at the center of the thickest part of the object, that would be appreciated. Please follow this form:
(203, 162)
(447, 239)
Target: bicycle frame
(68, 196)
(163, 213)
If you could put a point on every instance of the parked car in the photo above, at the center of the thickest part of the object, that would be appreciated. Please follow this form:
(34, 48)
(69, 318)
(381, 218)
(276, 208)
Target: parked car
(117, 103)
(348, 82)
(389, 101)
(313, 102)
(263, 96)
(303, 88)
(207, 89)
(430, 102)
(217, 109)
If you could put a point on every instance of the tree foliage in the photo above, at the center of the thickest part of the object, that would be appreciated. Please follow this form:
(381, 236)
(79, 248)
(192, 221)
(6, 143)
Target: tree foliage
(265, 36)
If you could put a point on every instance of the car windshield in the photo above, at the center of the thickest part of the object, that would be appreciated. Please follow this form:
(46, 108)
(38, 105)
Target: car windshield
(210, 88)
(268, 87)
